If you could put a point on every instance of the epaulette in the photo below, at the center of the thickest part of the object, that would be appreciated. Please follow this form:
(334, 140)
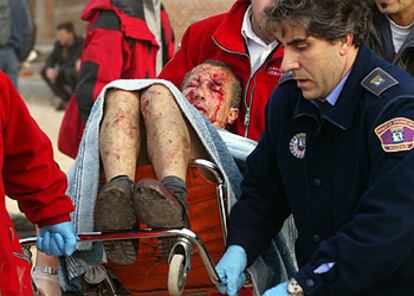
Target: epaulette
(378, 81)
(286, 77)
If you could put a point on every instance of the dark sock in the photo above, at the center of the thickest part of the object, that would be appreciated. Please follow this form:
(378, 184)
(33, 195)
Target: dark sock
(122, 177)
(177, 187)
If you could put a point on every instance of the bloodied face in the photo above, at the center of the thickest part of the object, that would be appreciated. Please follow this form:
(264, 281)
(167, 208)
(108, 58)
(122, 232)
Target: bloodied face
(209, 88)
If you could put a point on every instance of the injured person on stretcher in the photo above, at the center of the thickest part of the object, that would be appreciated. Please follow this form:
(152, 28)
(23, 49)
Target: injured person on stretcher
(148, 126)
(136, 122)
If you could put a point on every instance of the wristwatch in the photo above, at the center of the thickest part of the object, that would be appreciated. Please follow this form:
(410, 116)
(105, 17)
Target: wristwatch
(293, 288)
(45, 270)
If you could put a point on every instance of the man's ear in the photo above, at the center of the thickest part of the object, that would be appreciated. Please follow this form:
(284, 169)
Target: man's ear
(345, 43)
(233, 115)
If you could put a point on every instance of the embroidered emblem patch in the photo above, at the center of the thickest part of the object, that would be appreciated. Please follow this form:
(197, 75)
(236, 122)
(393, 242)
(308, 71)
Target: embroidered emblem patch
(274, 71)
(297, 145)
(377, 80)
(396, 134)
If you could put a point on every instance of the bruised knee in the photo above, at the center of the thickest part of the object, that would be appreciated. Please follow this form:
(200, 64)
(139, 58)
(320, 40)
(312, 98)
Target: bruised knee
(121, 109)
(156, 100)
(116, 99)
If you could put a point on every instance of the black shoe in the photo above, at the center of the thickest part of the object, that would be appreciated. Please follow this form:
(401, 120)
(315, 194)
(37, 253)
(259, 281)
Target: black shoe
(114, 211)
(157, 207)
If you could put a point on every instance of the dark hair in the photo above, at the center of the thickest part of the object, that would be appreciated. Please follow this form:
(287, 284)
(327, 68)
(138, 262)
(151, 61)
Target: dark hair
(237, 90)
(67, 26)
(327, 19)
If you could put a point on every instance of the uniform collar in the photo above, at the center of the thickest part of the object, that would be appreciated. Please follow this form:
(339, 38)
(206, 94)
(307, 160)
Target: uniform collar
(333, 96)
(342, 114)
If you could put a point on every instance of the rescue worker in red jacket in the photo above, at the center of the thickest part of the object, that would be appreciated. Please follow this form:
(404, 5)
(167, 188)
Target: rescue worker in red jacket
(239, 39)
(124, 39)
(30, 176)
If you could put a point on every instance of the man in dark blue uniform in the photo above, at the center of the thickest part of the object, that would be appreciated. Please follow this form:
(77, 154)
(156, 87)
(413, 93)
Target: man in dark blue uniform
(337, 153)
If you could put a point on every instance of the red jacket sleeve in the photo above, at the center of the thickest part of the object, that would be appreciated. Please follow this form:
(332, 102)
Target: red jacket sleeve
(104, 54)
(30, 175)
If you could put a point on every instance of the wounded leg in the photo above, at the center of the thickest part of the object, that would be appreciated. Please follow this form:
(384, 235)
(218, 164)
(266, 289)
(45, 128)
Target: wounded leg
(119, 145)
(162, 203)
(168, 138)
(119, 135)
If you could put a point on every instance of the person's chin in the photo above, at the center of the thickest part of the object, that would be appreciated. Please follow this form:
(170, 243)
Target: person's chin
(309, 94)
(307, 91)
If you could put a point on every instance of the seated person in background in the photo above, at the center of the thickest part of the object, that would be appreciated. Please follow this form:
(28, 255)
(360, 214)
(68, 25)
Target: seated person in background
(165, 137)
(62, 66)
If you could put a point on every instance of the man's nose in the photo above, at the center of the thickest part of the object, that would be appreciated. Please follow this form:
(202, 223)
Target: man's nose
(201, 93)
(290, 61)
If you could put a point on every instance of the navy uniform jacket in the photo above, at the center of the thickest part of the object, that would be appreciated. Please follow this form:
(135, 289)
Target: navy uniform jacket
(346, 176)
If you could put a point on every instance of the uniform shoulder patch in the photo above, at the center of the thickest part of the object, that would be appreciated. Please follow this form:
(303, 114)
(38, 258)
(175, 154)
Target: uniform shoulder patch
(378, 81)
(286, 77)
(396, 134)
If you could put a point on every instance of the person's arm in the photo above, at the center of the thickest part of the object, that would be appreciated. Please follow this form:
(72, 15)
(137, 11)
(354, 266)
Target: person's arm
(167, 36)
(380, 236)
(71, 68)
(263, 207)
(52, 59)
(23, 31)
(259, 214)
(30, 174)
(102, 60)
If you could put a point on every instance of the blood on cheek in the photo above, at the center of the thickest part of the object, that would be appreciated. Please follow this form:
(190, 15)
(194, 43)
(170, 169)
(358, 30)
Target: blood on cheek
(208, 84)
(217, 100)
(217, 93)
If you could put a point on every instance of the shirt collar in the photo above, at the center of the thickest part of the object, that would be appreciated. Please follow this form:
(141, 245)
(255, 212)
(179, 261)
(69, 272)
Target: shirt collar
(343, 113)
(333, 96)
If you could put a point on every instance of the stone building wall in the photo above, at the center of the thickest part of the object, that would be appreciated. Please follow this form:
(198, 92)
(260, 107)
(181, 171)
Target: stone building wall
(49, 13)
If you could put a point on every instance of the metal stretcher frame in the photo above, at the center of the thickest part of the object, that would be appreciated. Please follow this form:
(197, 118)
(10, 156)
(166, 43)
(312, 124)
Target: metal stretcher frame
(113, 236)
(184, 234)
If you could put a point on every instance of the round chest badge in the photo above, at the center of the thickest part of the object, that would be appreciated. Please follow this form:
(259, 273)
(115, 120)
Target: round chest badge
(297, 145)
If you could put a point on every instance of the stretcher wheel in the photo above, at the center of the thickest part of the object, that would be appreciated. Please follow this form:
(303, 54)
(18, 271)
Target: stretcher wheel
(177, 275)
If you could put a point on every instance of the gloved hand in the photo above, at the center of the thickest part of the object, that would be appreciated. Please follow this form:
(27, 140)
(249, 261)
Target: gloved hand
(231, 270)
(57, 240)
(279, 290)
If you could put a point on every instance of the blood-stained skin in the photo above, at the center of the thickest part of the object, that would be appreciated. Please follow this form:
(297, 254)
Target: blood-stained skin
(208, 88)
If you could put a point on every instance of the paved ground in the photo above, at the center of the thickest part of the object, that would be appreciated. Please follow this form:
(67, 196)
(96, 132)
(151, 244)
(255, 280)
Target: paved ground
(38, 97)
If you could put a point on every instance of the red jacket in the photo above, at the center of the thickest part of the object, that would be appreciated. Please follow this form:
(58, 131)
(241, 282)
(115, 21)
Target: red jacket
(219, 37)
(118, 45)
(30, 176)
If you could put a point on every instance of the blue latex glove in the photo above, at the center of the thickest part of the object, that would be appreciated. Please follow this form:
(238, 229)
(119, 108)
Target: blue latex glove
(279, 290)
(57, 240)
(231, 270)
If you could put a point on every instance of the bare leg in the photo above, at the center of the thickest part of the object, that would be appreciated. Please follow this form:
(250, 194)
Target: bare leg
(119, 135)
(119, 148)
(168, 138)
(163, 202)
